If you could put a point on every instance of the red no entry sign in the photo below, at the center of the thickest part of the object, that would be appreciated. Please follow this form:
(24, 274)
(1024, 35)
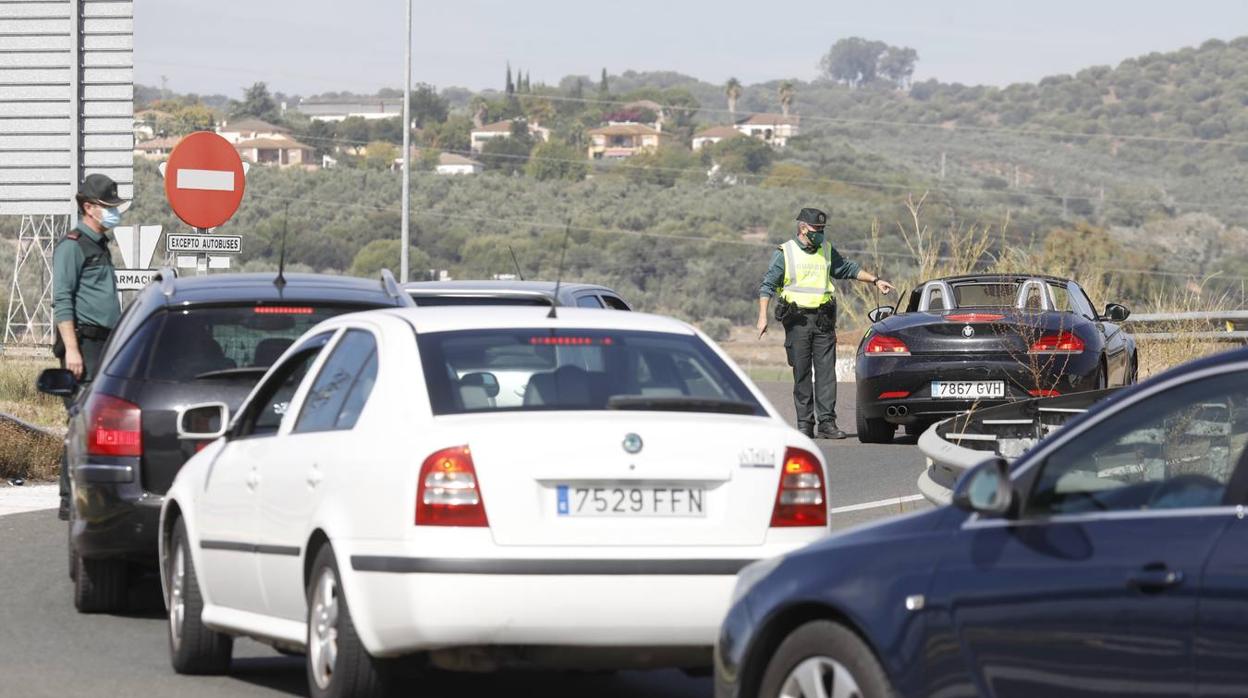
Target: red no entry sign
(204, 180)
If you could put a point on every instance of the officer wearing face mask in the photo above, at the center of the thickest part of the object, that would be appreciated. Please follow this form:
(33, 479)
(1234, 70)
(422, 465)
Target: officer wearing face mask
(84, 291)
(801, 271)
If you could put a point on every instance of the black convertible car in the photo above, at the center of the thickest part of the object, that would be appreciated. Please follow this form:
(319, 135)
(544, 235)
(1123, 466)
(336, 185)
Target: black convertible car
(975, 341)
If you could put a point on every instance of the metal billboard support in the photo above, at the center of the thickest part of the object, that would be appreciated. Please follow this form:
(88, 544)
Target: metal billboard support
(29, 316)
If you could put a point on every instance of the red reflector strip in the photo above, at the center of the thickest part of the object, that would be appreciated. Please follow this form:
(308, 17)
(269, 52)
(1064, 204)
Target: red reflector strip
(569, 341)
(116, 438)
(282, 310)
(1043, 393)
(974, 317)
(894, 394)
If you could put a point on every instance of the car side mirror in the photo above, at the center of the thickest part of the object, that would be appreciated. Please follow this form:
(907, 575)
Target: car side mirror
(57, 381)
(880, 313)
(484, 380)
(203, 422)
(1116, 313)
(985, 488)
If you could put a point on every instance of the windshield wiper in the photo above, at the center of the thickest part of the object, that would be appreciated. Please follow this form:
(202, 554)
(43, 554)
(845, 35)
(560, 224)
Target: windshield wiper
(679, 404)
(242, 371)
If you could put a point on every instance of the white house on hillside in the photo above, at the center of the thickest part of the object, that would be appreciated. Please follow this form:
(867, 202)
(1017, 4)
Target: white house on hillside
(452, 164)
(502, 129)
(376, 108)
(713, 135)
(773, 129)
(251, 129)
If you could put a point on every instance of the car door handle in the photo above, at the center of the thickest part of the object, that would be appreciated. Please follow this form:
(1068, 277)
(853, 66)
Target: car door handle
(315, 477)
(253, 480)
(1157, 578)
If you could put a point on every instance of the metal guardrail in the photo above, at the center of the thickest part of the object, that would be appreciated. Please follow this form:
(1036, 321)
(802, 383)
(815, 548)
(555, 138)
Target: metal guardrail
(1232, 326)
(957, 444)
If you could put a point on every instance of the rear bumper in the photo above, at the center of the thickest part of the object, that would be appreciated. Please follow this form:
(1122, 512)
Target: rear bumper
(666, 610)
(113, 516)
(914, 375)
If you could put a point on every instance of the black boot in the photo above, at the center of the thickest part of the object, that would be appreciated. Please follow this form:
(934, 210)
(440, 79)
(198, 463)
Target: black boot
(808, 430)
(831, 431)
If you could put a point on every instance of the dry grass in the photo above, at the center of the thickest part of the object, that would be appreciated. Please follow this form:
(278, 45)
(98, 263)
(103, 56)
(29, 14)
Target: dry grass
(18, 396)
(27, 454)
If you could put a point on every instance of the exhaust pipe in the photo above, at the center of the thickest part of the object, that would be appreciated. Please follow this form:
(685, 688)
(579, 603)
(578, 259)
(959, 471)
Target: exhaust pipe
(902, 410)
(891, 411)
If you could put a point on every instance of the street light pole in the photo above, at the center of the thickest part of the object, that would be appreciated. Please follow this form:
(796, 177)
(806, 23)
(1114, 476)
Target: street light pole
(405, 236)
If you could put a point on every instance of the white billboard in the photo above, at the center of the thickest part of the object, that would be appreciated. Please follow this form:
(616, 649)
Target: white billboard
(66, 100)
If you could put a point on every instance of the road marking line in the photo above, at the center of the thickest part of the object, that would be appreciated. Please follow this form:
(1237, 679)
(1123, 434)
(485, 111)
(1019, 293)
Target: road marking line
(206, 180)
(895, 501)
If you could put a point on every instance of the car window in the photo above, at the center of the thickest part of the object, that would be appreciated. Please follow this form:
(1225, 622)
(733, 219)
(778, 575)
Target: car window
(575, 369)
(210, 341)
(263, 415)
(936, 300)
(337, 397)
(1061, 298)
(995, 295)
(614, 303)
(1083, 305)
(588, 302)
(1174, 450)
(136, 350)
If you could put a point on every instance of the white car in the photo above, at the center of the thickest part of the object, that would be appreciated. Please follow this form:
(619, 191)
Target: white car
(481, 486)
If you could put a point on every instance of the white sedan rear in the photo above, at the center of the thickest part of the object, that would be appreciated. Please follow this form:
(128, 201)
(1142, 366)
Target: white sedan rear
(483, 487)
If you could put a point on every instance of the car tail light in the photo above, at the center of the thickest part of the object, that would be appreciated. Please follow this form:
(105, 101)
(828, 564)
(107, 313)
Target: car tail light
(893, 394)
(800, 497)
(882, 344)
(448, 494)
(113, 426)
(1064, 342)
(974, 317)
(1043, 393)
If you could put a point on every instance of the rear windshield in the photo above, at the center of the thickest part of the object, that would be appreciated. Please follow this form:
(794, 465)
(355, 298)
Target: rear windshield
(430, 301)
(540, 369)
(994, 295)
(217, 342)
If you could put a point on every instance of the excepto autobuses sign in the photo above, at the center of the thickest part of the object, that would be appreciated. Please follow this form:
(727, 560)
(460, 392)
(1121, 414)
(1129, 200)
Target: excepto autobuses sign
(220, 244)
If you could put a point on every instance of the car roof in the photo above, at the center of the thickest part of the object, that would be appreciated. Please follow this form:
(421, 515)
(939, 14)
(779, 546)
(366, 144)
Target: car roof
(493, 285)
(482, 317)
(218, 288)
(989, 278)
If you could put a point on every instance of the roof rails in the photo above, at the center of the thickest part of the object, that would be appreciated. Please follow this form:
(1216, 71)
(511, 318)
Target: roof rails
(391, 287)
(167, 276)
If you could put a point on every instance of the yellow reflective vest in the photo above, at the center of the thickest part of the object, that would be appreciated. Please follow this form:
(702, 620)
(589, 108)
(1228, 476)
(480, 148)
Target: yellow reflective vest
(807, 275)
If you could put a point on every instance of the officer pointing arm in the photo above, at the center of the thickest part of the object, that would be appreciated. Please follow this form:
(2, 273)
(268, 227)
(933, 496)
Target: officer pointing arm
(801, 273)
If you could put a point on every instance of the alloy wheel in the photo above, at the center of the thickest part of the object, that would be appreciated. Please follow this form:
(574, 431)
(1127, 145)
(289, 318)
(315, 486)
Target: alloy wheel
(177, 594)
(820, 677)
(323, 647)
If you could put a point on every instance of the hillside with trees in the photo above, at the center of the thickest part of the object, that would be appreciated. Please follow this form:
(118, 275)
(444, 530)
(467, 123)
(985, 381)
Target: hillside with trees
(1138, 165)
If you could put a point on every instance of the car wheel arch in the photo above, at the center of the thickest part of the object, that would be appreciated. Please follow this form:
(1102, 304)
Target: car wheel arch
(169, 519)
(317, 540)
(780, 625)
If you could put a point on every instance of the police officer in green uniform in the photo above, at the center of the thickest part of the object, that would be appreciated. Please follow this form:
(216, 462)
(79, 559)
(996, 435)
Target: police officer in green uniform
(84, 291)
(801, 272)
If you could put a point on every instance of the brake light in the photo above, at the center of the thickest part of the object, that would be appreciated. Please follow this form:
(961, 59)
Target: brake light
(894, 395)
(569, 341)
(882, 345)
(800, 496)
(113, 426)
(1043, 393)
(448, 494)
(1064, 342)
(282, 310)
(974, 317)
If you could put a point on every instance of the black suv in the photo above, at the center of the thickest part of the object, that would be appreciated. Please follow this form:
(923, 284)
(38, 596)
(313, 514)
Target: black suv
(182, 341)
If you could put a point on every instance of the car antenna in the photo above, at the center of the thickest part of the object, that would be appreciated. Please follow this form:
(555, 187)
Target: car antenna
(280, 281)
(554, 300)
(515, 262)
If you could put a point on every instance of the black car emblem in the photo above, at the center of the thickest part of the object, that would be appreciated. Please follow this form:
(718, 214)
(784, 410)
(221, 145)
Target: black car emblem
(968, 331)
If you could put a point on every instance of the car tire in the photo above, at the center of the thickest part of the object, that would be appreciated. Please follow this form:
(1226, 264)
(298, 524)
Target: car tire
(100, 586)
(875, 431)
(337, 664)
(824, 652)
(193, 647)
(69, 548)
(917, 428)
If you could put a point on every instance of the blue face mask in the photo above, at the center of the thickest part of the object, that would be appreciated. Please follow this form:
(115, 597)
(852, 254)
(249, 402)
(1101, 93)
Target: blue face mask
(111, 218)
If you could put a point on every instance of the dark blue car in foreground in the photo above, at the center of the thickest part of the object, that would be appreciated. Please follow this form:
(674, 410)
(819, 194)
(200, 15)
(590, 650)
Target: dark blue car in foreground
(1110, 560)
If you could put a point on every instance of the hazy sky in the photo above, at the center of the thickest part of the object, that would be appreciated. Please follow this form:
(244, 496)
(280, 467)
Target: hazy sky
(311, 46)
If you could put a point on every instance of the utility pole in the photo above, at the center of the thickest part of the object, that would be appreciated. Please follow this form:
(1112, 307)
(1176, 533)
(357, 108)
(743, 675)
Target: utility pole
(405, 237)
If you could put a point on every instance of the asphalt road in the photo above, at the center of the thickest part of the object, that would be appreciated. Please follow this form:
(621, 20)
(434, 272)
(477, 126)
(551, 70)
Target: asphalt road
(47, 649)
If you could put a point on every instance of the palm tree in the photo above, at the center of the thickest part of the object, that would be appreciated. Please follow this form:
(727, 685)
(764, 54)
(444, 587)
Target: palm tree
(787, 91)
(733, 90)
